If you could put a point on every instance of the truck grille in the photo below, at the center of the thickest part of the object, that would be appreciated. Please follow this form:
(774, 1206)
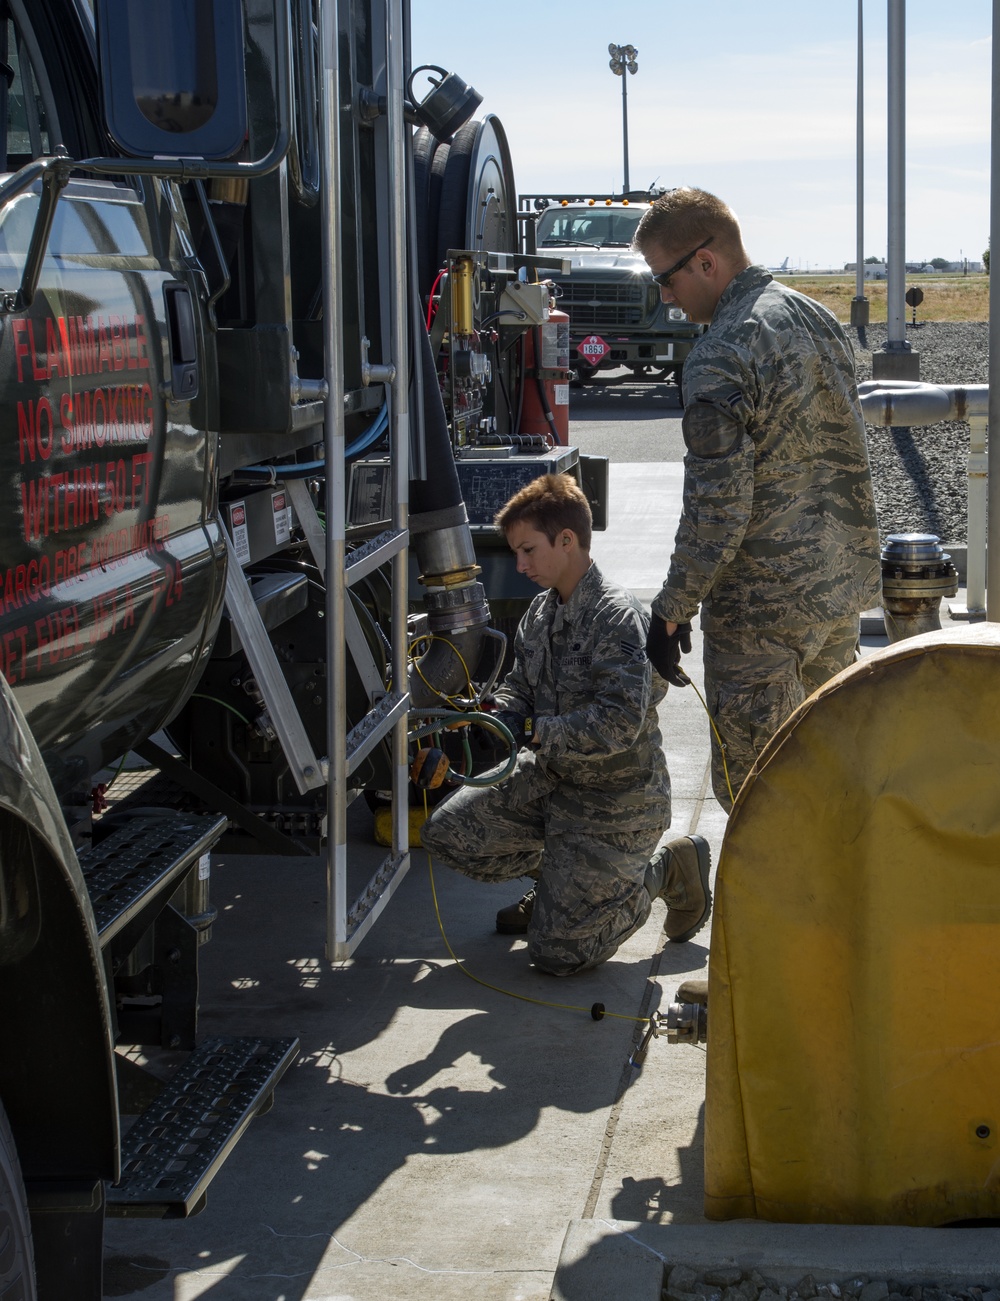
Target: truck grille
(604, 305)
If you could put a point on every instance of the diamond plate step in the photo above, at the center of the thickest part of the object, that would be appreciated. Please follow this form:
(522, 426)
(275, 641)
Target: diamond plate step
(144, 858)
(175, 1148)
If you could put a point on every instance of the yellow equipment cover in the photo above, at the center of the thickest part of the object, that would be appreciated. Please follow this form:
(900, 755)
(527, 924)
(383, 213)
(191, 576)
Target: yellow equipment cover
(854, 981)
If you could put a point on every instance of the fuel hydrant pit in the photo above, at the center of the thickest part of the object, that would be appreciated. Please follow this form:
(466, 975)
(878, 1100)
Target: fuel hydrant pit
(916, 573)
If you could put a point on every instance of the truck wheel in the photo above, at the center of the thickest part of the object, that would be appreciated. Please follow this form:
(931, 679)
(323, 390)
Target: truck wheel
(17, 1270)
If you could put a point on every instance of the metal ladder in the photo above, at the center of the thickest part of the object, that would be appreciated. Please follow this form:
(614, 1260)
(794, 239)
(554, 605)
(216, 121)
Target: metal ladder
(348, 923)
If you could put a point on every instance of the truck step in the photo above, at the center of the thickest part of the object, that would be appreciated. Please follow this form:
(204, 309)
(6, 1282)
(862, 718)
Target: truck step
(175, 1148)
(143, 861)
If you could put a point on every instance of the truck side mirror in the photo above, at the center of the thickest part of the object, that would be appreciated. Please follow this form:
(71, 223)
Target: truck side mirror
(172, 76)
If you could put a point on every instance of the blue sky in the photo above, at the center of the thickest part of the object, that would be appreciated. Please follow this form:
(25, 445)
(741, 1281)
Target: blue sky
(754, 101)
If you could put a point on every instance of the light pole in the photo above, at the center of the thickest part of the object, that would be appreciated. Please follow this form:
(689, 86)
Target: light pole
(624, 57)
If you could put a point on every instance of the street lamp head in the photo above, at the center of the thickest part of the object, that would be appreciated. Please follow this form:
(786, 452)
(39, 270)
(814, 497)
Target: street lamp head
(622, 57)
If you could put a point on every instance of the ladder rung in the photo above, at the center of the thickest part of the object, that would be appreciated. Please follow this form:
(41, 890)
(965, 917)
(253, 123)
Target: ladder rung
(376, 551)
(376, 724)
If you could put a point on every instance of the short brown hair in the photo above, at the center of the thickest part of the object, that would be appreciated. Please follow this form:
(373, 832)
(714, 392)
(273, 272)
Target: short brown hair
(549, 504)
(682, 217)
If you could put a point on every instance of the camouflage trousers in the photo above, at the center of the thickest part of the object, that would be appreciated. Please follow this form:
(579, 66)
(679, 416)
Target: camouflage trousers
(756, 677)
(590, 894)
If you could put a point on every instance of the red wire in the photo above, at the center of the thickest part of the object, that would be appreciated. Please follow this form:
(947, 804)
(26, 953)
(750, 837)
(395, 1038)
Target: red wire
(430, 301)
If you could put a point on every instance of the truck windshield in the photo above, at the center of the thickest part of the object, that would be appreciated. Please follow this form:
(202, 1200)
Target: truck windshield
(595, 226)
(26, 115)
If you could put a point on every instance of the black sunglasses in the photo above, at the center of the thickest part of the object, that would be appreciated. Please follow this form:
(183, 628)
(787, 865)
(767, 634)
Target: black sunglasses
(665, 277)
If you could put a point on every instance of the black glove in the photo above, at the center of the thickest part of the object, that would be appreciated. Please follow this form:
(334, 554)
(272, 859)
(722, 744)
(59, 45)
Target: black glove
(516, 724)
(665, 650)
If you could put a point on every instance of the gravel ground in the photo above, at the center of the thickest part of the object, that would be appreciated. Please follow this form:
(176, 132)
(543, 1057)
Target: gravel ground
(734, 1284)
(920, 473)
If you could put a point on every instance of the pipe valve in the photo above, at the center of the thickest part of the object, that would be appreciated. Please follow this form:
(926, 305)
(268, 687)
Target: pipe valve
(916, 573)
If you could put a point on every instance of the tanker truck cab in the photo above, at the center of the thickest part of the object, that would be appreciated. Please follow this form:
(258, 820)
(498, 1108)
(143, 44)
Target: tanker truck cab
(616, 317)
(112, 580)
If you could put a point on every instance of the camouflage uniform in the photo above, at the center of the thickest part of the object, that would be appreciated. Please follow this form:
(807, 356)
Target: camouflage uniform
(778, 541)
(584, 810)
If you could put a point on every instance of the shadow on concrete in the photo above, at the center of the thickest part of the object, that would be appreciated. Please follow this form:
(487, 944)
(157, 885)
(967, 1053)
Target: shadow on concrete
(614, 400)
(478, 1071)
(605, 1258)
(656, 1202)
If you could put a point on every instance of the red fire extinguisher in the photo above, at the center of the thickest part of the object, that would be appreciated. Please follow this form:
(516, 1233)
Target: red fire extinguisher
(545, 398)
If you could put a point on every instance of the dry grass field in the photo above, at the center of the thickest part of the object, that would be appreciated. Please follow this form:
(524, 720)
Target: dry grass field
(946, 297)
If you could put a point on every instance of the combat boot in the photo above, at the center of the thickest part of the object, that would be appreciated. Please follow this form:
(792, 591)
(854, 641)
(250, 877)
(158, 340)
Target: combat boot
(678, 874)
(513, 920)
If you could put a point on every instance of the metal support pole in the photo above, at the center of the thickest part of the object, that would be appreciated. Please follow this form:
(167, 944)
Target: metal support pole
(336, 507)
(993, 438)
(860, 306)
(625, 126)
(975, 565)
(399, 413)
(896, 265)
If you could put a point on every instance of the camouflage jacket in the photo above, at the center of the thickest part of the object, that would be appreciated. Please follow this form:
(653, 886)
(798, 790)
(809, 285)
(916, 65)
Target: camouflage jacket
(581, 674)
(780, 529)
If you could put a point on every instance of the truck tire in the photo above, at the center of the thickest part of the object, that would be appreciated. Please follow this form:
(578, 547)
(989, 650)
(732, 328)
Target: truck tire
(17, 1270)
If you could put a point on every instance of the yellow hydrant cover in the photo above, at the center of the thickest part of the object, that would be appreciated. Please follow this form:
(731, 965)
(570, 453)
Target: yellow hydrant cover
(854, 987)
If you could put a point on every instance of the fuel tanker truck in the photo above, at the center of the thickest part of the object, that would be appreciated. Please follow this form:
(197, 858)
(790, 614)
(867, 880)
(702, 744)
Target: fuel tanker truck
(270, 360)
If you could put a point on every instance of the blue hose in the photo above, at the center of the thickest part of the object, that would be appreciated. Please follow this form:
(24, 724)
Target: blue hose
(303, 469)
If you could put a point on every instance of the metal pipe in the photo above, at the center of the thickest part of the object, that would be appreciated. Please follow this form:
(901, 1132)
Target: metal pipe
(901, 402)
(443, 673)
(896, 402)
(336, 519)
(896, 260)
(399, 428)
(993, 438)
(443, 551)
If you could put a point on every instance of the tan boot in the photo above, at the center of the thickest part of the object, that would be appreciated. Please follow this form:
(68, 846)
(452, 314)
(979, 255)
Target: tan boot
(513, 920)
(678, 874)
